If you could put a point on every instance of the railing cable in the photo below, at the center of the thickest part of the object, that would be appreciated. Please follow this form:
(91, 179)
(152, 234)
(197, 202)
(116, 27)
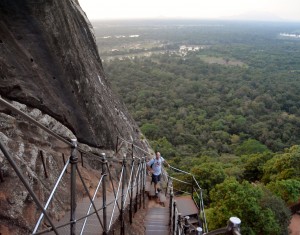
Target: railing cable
(88, 193)
(112, 183)
(179, 180)
(26, 184)
(134, 145)
(51, 195)
(10, 106)
(129, 185)
(97, 188)
(46, 129)
(113, 211)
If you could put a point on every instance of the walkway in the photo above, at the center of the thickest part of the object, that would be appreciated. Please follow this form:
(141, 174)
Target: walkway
(157, 217)
(93, 226)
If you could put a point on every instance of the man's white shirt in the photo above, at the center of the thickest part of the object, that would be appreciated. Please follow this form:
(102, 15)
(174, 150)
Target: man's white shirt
(156, 165)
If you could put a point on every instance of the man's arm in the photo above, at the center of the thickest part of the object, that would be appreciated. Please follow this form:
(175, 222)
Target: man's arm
(165, 163)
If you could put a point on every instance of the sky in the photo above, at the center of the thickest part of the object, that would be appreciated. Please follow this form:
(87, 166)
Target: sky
(202, 9)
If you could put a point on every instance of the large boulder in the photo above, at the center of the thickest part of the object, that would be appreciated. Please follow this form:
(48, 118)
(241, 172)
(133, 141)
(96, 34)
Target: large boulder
(49, 60)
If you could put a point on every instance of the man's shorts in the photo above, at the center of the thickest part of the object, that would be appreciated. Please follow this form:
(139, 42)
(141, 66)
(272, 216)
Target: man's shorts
(155, 178)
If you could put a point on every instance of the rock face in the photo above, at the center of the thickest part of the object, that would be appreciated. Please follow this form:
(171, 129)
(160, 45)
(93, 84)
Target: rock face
(49, 60)
(50, 69)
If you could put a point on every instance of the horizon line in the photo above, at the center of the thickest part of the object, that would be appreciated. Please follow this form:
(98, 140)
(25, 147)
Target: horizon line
(204, 19)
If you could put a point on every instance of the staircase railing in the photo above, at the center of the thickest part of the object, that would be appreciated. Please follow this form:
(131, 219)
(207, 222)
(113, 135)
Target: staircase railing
(130, 191)
(195, 191)
(128, 196)
(180, 225)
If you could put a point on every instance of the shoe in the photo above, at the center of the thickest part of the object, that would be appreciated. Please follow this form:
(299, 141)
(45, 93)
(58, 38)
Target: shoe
(156, 192)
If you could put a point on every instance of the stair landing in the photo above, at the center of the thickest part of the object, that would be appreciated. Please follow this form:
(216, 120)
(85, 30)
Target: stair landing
(186, 205)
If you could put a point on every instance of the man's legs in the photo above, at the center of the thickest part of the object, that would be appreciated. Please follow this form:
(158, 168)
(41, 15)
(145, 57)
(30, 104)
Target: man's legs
(155, 180)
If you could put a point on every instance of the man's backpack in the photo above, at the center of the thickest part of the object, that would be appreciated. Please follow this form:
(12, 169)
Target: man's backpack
(152, 163)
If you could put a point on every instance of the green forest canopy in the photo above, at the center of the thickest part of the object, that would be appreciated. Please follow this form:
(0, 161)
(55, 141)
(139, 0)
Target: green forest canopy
(228, 112)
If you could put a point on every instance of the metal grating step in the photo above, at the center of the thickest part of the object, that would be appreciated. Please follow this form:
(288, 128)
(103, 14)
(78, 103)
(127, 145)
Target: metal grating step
(157, 232)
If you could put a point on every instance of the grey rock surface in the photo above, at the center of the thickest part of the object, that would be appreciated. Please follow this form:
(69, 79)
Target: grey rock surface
(49, 60)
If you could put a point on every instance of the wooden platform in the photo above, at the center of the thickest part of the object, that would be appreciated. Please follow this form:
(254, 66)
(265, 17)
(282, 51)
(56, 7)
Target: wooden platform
(186, 206)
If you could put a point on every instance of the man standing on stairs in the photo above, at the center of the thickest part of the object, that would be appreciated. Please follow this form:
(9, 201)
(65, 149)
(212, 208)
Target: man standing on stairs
(154, 166)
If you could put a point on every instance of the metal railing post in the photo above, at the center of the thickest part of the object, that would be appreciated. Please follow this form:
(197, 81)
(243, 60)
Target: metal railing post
(199, 231)
(144, 180)
(170, 209)
(122, 197)
(73, 161)
(233, 225)
(179, 225)
(141, 181)
(104, 161)
(167, 186)
(131, 193)
(174, 217)
(186, 224)
(137, 186)
(204, 225)
(192, 190)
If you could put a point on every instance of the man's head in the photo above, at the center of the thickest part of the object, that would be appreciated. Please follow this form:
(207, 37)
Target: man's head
(157, 155)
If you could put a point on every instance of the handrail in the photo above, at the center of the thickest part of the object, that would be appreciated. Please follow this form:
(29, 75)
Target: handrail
(134, 183)
(177, 190)
(196, 183)
(46, 129)
(233, 227)
(179, 180)
(200, 197)
(73, 161)
(89, 214)
(203, 211)
(180, 225)
(26, 116)
(188, 173)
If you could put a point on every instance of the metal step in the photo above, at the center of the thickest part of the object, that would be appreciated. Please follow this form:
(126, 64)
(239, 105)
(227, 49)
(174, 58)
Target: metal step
(157, 221)
(157, 232)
